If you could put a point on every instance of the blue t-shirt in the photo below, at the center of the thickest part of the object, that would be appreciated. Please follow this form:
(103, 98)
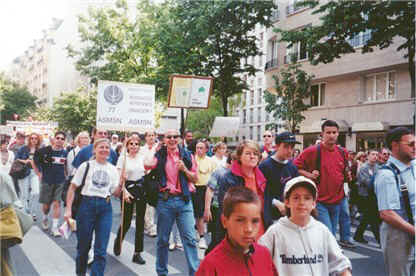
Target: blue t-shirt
(86, 153)
(54, 172)
(387, 190)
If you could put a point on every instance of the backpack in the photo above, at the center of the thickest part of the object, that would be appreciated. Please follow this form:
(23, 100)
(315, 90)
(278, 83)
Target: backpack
(372, 197)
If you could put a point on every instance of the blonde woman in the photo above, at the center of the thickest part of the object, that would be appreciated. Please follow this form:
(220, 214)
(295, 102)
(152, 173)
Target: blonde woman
(95, 214)
(220, 157)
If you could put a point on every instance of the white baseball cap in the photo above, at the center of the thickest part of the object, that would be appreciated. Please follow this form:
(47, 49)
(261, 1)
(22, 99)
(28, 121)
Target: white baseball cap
(296, 181)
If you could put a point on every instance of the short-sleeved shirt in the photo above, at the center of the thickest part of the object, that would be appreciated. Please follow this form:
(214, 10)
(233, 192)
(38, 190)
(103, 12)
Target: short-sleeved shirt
(101, 181)
(54, 173)
(134, 167)
(206, 167)
(213, 183)
(387, 190)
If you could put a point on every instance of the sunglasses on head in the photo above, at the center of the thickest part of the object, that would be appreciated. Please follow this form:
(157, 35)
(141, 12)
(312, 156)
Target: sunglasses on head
(172, 136)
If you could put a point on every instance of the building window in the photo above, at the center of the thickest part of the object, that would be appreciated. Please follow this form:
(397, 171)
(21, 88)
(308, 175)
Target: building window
(318, 94)
(261, 37)
(251, 115)
(293, 7)
(296, 52)
(259, 133)
(267, 119)
(244, 116)
(251, 133)
(272, 62)
(260, 61)
(259, 114)
(252, 96)
(236, 138)
(259, 96)
(380, 87)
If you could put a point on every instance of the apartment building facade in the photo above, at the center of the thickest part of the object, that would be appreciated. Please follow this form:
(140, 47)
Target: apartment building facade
(251, 105)
(367, 94)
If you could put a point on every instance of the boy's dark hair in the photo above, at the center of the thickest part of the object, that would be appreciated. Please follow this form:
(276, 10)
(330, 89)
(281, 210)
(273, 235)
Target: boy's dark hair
(238, 195)
(329, 123)
(396, 134)
(314, 212)
(59, 132)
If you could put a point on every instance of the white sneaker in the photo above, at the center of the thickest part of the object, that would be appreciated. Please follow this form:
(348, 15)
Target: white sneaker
(55, 233)
(90, 256)
(179, 245)
(172, 246)
(45, 224)
(202, 243)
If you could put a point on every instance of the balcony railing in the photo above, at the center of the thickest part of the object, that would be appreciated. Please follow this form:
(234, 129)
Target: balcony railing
(275, 16)
(359, 40)
(291, 58)
(271, 64)
(291, 9)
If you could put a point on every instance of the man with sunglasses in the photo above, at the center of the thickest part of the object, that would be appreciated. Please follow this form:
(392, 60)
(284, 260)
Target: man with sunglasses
(383, 156)
(177, 170)
(86, 152)
(51, 162)
(267, 148)
(395, 189)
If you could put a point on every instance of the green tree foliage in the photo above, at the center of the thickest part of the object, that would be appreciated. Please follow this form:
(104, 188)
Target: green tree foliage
(75, 111)
(292, 89)
(116, 46)
(201, 121)
(14, 100)
(342, 20)
(211, 38)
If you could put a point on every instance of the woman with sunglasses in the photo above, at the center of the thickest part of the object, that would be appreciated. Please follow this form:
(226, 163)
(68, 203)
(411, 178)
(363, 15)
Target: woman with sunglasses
(100, 180)
(30, 183)
(131, 168)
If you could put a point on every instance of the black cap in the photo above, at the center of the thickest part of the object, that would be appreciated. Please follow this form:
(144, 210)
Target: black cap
(286, 137)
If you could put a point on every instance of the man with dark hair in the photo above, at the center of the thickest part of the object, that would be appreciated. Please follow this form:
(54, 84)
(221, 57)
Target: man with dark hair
(187, 138)
(395, 190)
(51, 162)
(278, 169)
(267, 147)
(327, 165)
(383, 156)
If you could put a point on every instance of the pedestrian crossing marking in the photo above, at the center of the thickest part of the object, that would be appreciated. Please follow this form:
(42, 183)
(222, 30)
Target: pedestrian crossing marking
(49, 259)
(127, 253)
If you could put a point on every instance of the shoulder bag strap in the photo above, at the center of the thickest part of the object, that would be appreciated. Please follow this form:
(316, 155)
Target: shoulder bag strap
(85, 176)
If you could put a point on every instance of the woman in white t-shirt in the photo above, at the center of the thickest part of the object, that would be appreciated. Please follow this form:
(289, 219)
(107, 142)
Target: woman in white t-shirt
(6, 157)
(219, 157)
(95, 213)
(131, 168)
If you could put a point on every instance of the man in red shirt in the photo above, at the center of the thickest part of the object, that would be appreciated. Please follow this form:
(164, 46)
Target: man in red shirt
(330, 179)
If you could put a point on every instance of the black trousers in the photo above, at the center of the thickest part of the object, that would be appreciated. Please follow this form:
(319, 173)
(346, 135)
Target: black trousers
(213, 229)
(369, 217)
(128, 213)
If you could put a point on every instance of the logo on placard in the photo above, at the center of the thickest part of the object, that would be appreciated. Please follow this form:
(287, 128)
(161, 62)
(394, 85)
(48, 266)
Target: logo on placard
(113, 94)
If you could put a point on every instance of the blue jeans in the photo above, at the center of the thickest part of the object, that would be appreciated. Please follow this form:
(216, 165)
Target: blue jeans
(94, 214)
(344, 220)
(328, 214)
(169, 211)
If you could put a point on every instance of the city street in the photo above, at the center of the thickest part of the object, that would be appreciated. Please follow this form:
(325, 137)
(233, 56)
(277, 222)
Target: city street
(42, 254)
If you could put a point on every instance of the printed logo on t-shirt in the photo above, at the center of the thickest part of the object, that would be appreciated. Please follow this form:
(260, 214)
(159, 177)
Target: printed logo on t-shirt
(316, 259)
(100, 179)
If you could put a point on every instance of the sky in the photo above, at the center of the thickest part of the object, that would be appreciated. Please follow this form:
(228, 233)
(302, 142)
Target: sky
(22, 21)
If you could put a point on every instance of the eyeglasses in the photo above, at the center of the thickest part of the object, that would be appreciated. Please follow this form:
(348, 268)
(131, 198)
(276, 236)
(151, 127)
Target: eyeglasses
(133, 144)
(386, 153)
(172, 136)
(60, 138)
(410, 144)
(34, 138)
(264, 136)
(102, 133)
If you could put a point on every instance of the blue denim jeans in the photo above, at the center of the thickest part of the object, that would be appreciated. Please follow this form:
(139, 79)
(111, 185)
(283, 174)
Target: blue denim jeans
(344, 220)
(169, 211)
(95, 214)
(328, 214)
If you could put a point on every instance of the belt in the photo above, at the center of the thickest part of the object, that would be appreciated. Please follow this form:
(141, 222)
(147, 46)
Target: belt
(97, 197)
(166, 195)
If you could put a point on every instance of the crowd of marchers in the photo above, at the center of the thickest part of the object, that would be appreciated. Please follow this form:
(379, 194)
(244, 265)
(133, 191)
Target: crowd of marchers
(256, 210)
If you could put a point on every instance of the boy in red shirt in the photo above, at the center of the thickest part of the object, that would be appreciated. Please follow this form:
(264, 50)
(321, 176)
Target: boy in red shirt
(238, 254)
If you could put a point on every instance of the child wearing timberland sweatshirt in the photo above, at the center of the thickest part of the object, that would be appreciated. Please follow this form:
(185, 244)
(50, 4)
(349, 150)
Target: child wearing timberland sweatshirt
(299, 244)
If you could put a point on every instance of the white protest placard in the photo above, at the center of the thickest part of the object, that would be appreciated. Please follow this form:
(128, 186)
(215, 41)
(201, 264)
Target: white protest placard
(125, 106)
(190, 91)
(225, 127)
(28, 127)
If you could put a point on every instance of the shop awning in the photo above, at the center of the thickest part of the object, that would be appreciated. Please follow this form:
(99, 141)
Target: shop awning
(370, 126)
(315, 127)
